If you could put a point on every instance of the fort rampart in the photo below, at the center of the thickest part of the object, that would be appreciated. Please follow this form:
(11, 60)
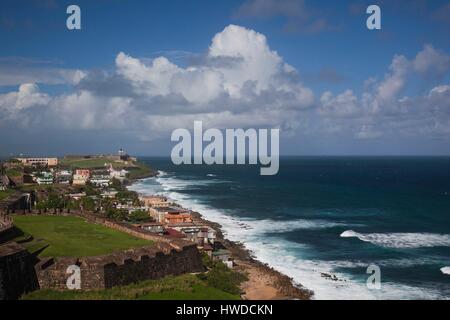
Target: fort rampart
(167, 256)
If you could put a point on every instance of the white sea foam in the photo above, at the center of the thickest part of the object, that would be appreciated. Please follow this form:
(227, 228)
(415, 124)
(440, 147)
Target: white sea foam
(275, 226)
(284, 256)
(279, 254)
(397, 263)
(401, 240)
(211, 175)
(445, 270)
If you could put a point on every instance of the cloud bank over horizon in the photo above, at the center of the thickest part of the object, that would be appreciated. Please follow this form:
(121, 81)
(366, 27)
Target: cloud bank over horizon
(240, 82)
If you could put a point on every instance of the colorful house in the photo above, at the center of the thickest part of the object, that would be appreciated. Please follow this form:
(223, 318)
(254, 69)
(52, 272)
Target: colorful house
(154, 201)
(170, 215)
(81, 177)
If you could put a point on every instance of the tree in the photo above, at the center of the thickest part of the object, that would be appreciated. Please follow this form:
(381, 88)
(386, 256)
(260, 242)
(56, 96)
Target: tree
(117, 214)
(116, 184)
(88, 203)
(125, 194)
(121, 215)
(41, 205)
(90, 190)
(139, 216)
(223, 278)
(54, 201)
(73, 204)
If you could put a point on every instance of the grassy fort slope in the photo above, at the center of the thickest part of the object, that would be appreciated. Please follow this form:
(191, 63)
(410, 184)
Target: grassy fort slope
(87, 163)
(183, 287)
(69, 236)
(74, 237)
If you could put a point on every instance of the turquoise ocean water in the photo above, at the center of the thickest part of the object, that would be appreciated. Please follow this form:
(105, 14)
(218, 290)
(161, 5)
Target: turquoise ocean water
(330, 215)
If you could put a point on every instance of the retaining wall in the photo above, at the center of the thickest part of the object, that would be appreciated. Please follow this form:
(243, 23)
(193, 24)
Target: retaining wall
(167, 256)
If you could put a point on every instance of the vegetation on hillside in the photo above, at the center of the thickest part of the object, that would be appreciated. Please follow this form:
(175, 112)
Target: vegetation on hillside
(139, 171)
(183, 287)
(221, 277)
(14, 172)
(218, 283)
(6, 193)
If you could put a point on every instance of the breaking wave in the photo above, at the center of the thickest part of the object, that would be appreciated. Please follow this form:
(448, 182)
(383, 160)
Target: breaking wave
(281, 254)
(445, 270)
(401, 240)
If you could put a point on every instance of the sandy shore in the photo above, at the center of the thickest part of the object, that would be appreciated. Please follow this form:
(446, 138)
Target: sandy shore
(259, 285)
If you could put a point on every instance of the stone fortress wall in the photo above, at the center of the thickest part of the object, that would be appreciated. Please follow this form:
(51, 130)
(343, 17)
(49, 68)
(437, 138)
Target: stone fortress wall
(166, 256)
(120, 268)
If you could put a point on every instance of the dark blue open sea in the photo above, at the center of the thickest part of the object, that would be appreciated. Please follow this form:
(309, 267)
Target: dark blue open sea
(332, 215)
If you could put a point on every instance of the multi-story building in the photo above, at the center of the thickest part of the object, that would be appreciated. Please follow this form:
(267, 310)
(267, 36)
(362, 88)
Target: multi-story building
(81, 177)
(153, 227)
(63, 177)
(50, 162)
(118, 174)
(100, 180)
(177, 217)
(170, 215)
(154, 201)
(201, 235)
(44, 178)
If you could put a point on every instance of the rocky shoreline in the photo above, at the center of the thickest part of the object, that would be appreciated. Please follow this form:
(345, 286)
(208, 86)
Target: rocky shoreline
(281, 287)
(265, 283)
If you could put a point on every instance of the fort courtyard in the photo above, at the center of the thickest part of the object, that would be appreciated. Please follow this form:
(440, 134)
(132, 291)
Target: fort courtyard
(74, 237)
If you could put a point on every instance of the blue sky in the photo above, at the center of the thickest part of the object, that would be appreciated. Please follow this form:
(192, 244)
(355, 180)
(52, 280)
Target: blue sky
(326, 42)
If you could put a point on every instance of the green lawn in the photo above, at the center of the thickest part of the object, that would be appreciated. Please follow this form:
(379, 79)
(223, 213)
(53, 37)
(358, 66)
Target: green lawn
(86, 163)
(74, 237)
(184, 287)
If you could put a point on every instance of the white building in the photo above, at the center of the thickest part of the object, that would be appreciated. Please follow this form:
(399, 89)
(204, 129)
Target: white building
(45, 178)
(201, 235)
(63, 176)
(118, 174)
(100, 180)
(51, 162)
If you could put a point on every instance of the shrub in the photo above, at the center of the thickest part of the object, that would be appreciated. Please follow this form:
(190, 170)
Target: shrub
(139, 216)
(88, 203)
(221, 277)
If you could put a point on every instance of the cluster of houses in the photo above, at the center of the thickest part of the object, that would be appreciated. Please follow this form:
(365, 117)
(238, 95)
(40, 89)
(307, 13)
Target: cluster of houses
(175, 221)
(79, 177)
(166, 218)
(169, 219)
